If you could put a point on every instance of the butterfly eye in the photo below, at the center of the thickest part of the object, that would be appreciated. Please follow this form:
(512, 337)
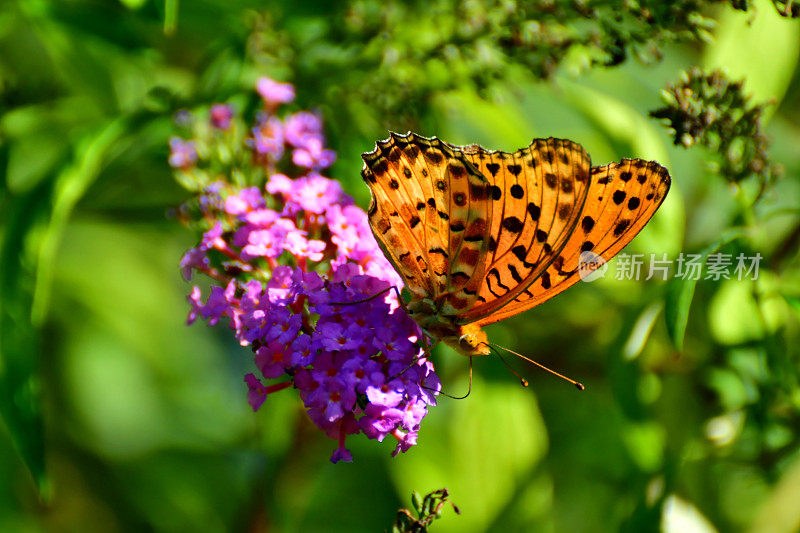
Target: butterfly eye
(467, 341)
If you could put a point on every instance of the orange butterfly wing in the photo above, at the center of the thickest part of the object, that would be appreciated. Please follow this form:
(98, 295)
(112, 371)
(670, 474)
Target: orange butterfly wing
(622, 197)
(430, 213)
(538, 195)
(485, 235)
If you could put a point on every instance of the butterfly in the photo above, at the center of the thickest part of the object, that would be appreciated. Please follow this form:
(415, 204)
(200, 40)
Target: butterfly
(480, 235)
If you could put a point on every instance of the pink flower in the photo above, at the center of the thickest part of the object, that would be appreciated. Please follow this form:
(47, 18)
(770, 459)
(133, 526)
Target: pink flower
(333, 336)
(196, 303)
(270, 359)
(194, 259)
(341, 454)
(256, 391)
(221, 115)
(274, 92)
(280, 286)
(316, 194)
(183, 154)
(293, 267)
(404, 441)
(313, 155)
(280, 184)
(246, 200)
(268, 138)
(302, 127)
(298, 245)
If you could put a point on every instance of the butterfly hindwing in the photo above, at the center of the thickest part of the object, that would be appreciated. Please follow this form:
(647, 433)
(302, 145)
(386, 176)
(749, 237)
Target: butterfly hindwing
(537, 196)
(429, 212)
(622, 198)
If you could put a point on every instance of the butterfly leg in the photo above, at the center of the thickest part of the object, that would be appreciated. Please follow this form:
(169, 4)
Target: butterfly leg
(426, 353)
(469, 388)
(370, 298)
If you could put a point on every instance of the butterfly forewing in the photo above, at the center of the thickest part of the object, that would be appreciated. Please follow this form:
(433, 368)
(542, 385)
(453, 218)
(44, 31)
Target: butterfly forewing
(430, 212)
(621, 199)
(537, 196)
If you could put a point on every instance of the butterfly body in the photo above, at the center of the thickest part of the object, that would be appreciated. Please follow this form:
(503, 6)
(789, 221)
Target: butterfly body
(480, 235)
(467, 339)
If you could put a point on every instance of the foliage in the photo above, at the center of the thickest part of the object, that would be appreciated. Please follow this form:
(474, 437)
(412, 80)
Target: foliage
(428, 509)
(449, 44)
(785, 8)
(452, 44)
(707, 109)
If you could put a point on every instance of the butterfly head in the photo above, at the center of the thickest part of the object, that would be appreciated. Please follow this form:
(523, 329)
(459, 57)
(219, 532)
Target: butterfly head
(471, 340)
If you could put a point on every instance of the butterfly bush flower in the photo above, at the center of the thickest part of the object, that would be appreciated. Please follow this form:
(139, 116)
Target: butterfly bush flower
(221, 116)
(300, 280)
(182, 154)
(274, 93)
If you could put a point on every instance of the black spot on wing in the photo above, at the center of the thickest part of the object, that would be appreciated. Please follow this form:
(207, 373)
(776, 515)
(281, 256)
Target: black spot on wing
(512, 224)
(457, 227)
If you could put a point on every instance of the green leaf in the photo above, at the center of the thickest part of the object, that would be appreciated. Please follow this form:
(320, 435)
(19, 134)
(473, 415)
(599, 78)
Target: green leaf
(680, 293)
(170, 16)
(641, 331)
(20, 345)
(416, 501)
(70, 186)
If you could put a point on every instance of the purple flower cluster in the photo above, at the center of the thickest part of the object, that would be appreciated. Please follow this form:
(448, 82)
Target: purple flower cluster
(303, 283)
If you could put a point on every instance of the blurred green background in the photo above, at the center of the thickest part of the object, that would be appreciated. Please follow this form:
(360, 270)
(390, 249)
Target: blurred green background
(116, 416)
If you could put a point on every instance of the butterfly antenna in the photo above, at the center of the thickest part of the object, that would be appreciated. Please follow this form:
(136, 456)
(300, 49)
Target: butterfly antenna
(522, 380)
(578, 385)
